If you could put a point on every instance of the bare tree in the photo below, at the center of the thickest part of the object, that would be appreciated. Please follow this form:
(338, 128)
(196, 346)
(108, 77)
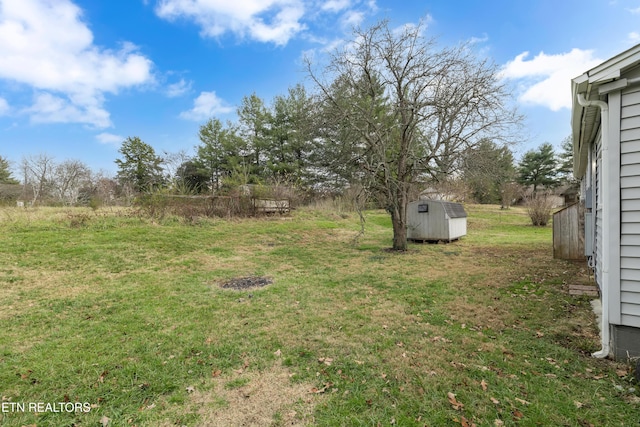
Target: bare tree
(37, 172)
(173, 163)
(68, 178)
(410, 108)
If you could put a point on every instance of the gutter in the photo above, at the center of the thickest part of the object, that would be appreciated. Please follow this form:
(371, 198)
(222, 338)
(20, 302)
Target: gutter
(606, 219)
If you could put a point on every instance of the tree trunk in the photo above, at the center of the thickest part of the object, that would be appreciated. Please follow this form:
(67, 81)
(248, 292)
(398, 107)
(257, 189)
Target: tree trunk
(399, 221)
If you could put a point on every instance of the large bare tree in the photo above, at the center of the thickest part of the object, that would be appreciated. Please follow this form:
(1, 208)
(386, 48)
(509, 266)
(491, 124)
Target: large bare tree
(68, 178)
(38, 170)
(407, 109)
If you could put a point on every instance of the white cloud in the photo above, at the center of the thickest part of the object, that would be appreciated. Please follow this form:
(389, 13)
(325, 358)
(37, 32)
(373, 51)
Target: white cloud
(109, 138)
(546, 79)
(69, 72)
(479, 40)
(635, 11)
(352, 18)
(178, 89)
(274, 21)
(335, 5)
(48, 108)
(634, 37)
(206, 106)
(4, 107)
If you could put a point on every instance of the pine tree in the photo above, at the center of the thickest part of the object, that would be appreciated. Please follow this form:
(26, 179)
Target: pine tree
(5, 172)
(539, 168)
(139, 167)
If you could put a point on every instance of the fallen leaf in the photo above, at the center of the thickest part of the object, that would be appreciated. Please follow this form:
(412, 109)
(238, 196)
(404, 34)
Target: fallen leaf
(483, 384)
(494, 400)
(216, 373)
(539, 334)
(326, 360)
(321, 390)
(578, 404)
(105, 421)
(621, 373)
(466, 423)
(524, 402)
(278, 353)
(498, 423)
(517, 414)
(190, 389)
(454, 402)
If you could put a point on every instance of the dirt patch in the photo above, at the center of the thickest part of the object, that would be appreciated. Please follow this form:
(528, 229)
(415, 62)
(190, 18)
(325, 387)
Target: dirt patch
(257, 399)
(243, 283)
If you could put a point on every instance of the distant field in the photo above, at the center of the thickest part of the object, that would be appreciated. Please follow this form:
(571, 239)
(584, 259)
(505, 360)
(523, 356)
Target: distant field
(126, 318)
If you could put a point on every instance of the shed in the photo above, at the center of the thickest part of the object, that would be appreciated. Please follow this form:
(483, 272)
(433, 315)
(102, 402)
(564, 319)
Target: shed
(435, 220)
(606, 159)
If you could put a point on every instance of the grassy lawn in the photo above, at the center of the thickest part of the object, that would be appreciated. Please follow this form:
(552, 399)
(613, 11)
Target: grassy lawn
(128, 316)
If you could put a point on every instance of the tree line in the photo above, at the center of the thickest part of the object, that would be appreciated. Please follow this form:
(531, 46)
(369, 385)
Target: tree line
(389, 113)
(486, 173)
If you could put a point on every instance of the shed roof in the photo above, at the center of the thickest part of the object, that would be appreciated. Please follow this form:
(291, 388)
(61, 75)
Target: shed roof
(454, 210)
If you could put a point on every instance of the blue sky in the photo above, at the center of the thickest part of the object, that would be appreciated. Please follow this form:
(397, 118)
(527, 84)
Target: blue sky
(79, 76)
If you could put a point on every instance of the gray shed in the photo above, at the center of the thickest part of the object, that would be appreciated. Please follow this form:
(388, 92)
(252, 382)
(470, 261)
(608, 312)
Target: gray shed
(435, 220)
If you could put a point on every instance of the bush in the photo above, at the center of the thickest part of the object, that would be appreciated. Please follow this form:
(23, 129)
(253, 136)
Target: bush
(539, 207)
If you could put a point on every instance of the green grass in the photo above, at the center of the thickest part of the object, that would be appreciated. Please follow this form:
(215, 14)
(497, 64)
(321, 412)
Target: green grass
(128, 315)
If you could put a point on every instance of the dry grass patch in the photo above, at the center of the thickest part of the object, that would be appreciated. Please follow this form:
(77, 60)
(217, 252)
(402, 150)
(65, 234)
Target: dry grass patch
(33, 287)
(251, 398)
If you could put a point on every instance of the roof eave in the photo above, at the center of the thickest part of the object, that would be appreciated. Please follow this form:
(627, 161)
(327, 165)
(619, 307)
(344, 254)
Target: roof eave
(587, 84)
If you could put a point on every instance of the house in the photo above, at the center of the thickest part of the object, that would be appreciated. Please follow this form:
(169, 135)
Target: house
(606, 142)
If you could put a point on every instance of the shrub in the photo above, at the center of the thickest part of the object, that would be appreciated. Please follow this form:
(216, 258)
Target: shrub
(539, 207)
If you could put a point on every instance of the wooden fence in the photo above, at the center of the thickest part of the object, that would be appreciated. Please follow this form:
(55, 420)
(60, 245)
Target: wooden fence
(568, 232)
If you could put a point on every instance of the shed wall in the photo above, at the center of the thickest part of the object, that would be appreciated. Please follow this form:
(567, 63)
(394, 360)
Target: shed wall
(434, 224)
(457, 227)
(568, 233)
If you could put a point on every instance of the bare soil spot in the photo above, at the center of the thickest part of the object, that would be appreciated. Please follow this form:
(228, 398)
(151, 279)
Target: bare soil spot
(243, 283)
(264, 398)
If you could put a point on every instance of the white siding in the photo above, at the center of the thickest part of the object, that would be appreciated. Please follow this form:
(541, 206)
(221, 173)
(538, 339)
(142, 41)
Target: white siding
(597, 209)
(630, 208)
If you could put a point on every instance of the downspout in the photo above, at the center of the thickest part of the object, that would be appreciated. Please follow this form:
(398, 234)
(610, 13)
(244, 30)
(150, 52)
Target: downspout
(606, 218)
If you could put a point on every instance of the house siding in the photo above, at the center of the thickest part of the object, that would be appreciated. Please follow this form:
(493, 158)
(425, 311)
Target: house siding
(630, 208)
(598, 197)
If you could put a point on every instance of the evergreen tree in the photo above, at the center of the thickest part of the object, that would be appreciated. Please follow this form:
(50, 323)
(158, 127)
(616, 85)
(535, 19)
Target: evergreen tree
(219, 155)
(254, 122)
(291, 132)
(539, 168)
(565, 164)
(5, 172)
(139, 167)
(486, 169)
(192, 177)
